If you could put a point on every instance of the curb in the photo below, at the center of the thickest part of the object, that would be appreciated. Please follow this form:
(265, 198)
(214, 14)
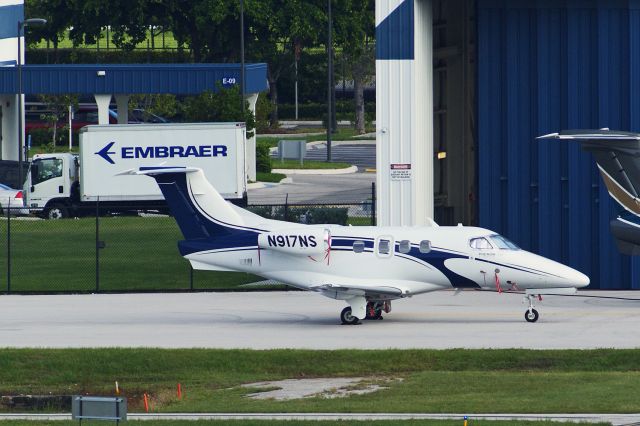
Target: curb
(348, 170)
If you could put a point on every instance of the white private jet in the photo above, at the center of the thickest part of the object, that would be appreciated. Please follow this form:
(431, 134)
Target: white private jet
(366, 266)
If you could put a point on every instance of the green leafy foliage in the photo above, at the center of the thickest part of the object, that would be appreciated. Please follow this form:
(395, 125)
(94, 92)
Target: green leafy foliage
(331, 215)
(263, 159)
(164, 105)
(221, 106)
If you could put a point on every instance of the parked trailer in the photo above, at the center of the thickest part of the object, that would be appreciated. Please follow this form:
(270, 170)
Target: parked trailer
(68, 185)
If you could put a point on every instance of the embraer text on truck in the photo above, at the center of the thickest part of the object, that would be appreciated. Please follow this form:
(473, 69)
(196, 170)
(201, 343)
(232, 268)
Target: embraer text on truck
(174, 151)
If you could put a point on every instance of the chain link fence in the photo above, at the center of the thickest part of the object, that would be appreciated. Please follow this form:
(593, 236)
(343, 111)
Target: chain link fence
(102, 252)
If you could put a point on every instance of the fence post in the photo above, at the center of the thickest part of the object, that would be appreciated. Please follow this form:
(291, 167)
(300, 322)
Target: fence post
(190, 277)
(373, 204)
(97, 245)
(9, 249)
(286, 208)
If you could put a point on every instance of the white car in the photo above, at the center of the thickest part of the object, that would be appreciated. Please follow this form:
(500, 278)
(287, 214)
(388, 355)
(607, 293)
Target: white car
(10, 197)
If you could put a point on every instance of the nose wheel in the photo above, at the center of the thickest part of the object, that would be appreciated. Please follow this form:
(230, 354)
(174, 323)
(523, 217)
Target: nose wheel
(531, 315)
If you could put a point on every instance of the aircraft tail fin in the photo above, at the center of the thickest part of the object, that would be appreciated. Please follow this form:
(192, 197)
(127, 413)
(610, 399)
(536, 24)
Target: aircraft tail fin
(199, 209)
(618, 157)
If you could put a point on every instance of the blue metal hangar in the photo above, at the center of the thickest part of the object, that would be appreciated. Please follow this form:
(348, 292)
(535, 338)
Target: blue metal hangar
(463, 89)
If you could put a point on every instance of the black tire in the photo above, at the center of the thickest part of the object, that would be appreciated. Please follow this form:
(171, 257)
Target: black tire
(56, 211)
(531, 315)
(347, 318)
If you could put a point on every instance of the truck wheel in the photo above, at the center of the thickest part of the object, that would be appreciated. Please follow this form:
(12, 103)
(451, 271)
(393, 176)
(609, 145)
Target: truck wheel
(56, 211)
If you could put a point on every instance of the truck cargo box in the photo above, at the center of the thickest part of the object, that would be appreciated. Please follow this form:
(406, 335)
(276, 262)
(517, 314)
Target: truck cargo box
(107, 150)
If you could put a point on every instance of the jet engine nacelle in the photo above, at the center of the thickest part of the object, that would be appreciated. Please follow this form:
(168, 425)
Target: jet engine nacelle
(303, 242)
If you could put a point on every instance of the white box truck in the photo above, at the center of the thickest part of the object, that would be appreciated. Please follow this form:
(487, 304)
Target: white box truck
(69, 185)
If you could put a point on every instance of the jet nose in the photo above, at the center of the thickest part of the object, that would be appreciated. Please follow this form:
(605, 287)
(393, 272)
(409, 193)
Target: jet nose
(580, 279)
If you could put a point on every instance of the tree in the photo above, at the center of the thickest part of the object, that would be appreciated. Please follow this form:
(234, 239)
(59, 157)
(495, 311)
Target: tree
(209, 27)
(275, 29)
(57, 109)
(58, 18)
(355, 29)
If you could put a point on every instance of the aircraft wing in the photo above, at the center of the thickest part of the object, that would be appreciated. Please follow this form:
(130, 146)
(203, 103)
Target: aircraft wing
(394, 290)
(357, 290)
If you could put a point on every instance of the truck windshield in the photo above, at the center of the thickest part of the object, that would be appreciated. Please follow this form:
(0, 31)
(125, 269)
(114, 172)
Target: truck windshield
(45, 169)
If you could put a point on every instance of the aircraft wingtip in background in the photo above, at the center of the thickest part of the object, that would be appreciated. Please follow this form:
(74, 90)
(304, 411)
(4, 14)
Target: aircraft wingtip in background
(617, 154)
(366, 266)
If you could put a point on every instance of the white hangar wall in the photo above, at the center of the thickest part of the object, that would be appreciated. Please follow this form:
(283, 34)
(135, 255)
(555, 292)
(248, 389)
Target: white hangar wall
(404, 112)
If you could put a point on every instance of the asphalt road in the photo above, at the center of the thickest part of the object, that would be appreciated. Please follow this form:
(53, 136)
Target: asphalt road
(349, 188)
(362, 154)
(265, 320)
(614, 419)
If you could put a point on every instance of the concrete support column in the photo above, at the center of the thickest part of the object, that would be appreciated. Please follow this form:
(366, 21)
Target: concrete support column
(122, 108)
(103, 102)
(9, 125)
(404, 112)
(250, 144)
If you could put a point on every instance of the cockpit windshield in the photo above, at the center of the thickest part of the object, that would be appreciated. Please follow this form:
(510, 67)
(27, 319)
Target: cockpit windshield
(503, 243)
(494, 241)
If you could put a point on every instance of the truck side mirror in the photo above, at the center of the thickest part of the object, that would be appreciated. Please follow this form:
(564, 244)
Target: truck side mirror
(33, 188)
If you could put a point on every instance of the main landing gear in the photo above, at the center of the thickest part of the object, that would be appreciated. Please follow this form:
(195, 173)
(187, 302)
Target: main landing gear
(531, 315)
(347, 318)
(373, 312)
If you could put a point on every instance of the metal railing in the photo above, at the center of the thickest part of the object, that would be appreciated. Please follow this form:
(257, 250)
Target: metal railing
(103, 252)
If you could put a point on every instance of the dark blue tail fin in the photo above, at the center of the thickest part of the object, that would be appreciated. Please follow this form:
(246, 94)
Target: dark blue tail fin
(198, 208)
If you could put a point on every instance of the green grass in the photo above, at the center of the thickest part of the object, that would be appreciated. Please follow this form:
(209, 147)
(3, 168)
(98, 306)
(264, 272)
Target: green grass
(359, 221)
(269, 177)
(66, 43)
(308, 164)
(140, 254)
(464, 381)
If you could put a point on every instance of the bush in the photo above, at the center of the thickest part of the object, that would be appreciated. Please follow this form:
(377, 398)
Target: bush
(345, 110)
(263, 158)
(333, 215)
(263, 110)
(221, 106)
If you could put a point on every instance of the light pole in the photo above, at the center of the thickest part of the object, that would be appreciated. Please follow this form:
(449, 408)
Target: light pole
(242, 88)
(21, 25)
(329, 80)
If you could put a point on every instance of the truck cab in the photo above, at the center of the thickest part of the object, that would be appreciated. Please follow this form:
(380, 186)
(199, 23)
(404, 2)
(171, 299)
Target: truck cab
(51, 184)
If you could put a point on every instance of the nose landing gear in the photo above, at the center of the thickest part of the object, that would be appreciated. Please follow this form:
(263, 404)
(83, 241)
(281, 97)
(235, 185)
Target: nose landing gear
(531, 315)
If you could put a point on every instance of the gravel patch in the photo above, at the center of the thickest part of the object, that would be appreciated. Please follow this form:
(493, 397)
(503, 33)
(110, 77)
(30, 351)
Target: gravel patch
(338, 387)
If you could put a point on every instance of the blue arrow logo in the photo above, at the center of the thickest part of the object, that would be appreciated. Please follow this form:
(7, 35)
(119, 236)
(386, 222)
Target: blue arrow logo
(104, 152)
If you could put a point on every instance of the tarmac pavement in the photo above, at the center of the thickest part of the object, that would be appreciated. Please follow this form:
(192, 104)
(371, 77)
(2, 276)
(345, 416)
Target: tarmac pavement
(265, 320)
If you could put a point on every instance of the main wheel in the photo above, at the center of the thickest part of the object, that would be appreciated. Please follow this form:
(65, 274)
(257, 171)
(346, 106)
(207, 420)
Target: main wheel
(531, 315)
(56, 211)
(346, 316)
(374, 312)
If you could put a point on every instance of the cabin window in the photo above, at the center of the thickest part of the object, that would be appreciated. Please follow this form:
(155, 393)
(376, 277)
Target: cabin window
(425, 246)
(480, 244)
(384, 246)
(358, 246)
(404, 246)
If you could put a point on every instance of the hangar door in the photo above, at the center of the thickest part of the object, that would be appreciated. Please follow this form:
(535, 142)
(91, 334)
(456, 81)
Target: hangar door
(454, 111)
(542, 67)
